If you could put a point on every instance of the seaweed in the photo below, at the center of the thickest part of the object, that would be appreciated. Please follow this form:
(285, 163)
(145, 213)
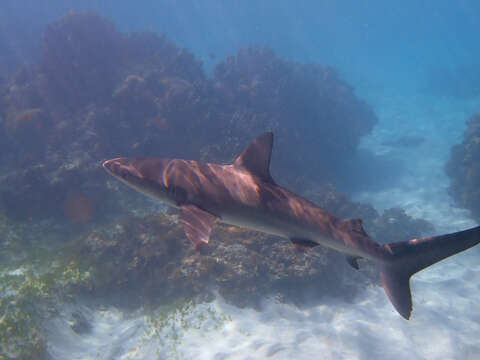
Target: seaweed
(169, 324)
(28, 300)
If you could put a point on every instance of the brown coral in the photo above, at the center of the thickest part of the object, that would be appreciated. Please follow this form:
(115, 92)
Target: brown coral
(98, 93)
(152, 258)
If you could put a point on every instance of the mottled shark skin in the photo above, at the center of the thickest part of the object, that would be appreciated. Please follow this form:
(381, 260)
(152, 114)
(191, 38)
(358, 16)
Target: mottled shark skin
(244, 194)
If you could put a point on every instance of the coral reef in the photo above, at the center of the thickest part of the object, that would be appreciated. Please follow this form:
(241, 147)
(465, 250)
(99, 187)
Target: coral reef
(159, 264)
(463, 168)
(97, 93)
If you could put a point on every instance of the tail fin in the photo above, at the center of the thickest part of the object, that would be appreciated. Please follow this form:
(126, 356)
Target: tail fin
(409, 257)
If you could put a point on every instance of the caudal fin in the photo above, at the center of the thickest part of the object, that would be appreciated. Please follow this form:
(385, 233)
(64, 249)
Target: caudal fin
(408, 257)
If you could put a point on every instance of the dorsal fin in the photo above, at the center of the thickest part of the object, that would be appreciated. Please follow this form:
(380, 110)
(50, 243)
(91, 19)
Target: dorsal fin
(354, 225)
(256, 157)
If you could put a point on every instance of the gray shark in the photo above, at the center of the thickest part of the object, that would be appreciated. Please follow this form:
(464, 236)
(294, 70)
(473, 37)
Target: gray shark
(244, 194)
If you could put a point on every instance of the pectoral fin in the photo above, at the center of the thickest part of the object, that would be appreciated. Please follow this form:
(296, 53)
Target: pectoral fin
(197, 224)
(302, 245)
(353, 261)
(256, 157)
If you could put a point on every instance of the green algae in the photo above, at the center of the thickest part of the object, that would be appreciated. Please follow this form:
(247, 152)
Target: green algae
(169, 324)
(27, 299)
(21, 317)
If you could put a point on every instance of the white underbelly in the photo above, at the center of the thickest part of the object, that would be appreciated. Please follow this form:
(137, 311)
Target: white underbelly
(289, 229)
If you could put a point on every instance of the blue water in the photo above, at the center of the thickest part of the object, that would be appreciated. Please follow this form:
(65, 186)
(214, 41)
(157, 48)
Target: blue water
(382, 43)
(417, 63)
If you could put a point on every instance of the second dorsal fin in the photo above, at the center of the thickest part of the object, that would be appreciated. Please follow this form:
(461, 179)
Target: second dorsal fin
(256, 157)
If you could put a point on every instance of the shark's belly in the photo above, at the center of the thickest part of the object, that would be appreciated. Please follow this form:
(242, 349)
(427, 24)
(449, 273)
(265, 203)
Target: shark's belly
(274, 224)
(287, 216)
(287, 227)
(257, 223)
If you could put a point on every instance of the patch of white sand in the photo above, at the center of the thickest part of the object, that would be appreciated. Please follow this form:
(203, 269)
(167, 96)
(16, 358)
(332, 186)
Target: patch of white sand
(423, 190)
(445, 325)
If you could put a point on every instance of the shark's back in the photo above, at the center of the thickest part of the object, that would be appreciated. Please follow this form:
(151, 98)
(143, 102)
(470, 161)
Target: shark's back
(239, 197)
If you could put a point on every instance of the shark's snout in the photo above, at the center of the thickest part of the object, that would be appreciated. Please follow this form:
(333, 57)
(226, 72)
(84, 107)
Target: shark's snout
(113, 165)
(115, 168)
(122, 167)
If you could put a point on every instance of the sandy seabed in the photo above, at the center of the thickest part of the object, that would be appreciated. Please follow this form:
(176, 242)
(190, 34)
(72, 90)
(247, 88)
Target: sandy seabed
(445, 325)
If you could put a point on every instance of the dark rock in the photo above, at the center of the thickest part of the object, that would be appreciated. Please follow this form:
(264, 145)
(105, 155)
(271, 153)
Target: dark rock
(395, 225)
(80, 324)
(152, 259)
(463, 168)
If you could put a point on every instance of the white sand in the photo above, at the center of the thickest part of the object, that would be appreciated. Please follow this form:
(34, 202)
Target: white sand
(445, 325)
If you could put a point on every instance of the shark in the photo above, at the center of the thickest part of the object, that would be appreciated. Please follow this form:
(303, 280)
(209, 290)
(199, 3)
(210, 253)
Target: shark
(244, 194)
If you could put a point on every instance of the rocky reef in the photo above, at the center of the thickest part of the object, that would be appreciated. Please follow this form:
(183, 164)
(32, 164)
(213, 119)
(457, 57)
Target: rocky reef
(392, 225)
(97, 93)
(307, 105)
(146, 261)
(463, 168)
(159, 264)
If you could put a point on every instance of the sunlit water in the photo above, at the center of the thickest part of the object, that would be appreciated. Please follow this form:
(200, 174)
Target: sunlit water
(423, 190)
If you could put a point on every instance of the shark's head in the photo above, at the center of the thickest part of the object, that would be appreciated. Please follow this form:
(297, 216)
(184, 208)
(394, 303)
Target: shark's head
(144, 175)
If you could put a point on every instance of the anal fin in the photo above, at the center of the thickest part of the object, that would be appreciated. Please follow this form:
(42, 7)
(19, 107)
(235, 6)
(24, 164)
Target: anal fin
(353, 261)
(197, 224)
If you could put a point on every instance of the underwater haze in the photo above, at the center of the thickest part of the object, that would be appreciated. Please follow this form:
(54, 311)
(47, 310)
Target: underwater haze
(375, 110)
